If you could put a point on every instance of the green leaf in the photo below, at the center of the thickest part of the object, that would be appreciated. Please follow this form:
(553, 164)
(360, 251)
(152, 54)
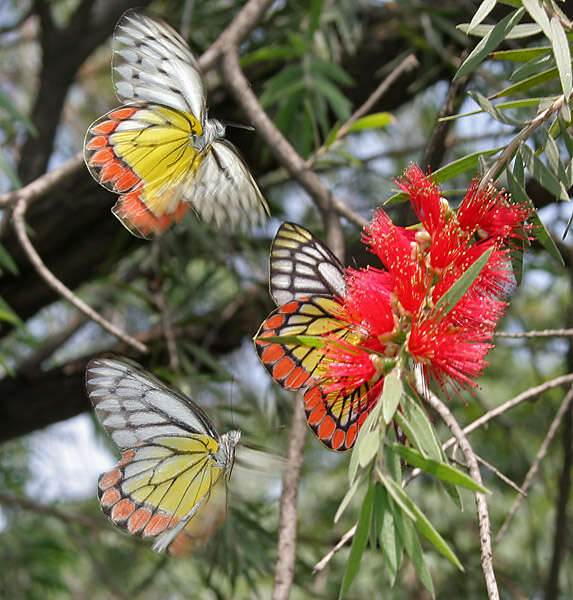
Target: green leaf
(538, 14)
(528, 83)
(312, 341)
(391, 394)
(411, 542)
(391, 487)
(370, 424)
(315, 14)
(205, 357)
(390, 542)
(493, 111)
(269, 53)
(553, 158)
(454, 294)
(330, 70)
(425, 527)
(491, 40)
(289, 80)
(541, 173)
(368, 448)
(533, 67)
(7, 261)
(522, 54)
(481, 13)
(373, 121)
(8, 315)
(360, 540)
(418, 429)
(540, 232)
(438, 469)
(350, 494)
(562, 55)
(519, 31)
(338, 101)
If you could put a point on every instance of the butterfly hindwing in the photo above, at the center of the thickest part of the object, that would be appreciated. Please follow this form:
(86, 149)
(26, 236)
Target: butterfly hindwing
(172, 457)
(302, 266)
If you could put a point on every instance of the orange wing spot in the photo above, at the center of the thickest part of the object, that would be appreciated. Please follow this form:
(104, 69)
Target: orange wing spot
(326, 428)
(290, 307)
(110, 497)
(99, 141)
(158, 523)
(317, 414)
(107, 480)
(102, 157)
(274, 321)
(311, 398)
(283, 368)
(126, 182)
(126, 458)
(112, 170)
(272, 353)
(296, 379)
(351, 435)
(132, 209)
(337, 439)
(123, 113)
(105, 127)
(138, 520)
(122, 510)
(362, 418)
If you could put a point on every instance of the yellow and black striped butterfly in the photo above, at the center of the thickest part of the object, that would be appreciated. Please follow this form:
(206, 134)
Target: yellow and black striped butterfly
(159, 151)
(171, 481)
(306, 282)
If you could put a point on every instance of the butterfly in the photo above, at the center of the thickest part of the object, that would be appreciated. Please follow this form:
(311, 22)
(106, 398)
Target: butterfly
(168, 483)
(159, 151)
(306, 281)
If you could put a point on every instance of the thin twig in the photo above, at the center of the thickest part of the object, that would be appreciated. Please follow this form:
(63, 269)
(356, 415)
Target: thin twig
(321, 564)
(513, 145)
(481, 503)
(491, 468)
(527, 395)
(246, 19)
(277, 143)
(408, 63)
(536, 334)
(55, 283)
(286, 546)
(538, 458)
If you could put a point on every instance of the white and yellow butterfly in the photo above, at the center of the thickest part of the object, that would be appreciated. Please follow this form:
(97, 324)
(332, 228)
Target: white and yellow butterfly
(159, 151)
(171, 481)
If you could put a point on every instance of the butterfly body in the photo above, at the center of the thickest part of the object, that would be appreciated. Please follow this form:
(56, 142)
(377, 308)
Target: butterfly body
(159, 151)
(167, 484)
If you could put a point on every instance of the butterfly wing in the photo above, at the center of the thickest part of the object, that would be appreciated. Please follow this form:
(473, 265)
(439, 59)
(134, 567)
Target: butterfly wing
(224, 192)
(143, 154)
(302, 266)
(153, 63)
(334, 417)
(170, 461)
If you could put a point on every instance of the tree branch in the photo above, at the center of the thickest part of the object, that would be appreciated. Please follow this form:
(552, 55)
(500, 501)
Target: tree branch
(286, 547)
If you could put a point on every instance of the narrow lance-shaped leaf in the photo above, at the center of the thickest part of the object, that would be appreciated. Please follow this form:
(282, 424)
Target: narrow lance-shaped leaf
(449, 300)
(489, 42)
(360, 540)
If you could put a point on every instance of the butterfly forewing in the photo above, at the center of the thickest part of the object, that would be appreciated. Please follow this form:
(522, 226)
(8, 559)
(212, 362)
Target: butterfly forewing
(152, 63)
(302, 266)
(172, 459)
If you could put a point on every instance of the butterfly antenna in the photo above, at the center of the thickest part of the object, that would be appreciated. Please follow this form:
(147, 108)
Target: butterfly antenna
(239, 125)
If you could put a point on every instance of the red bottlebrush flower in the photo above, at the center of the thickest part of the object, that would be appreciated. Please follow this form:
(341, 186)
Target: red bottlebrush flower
(397, 308)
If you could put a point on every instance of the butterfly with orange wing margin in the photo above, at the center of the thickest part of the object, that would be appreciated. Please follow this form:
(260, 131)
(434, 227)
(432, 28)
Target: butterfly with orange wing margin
(307, 282)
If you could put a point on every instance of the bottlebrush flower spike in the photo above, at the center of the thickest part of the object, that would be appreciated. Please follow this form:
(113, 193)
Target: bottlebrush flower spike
(397, 315)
